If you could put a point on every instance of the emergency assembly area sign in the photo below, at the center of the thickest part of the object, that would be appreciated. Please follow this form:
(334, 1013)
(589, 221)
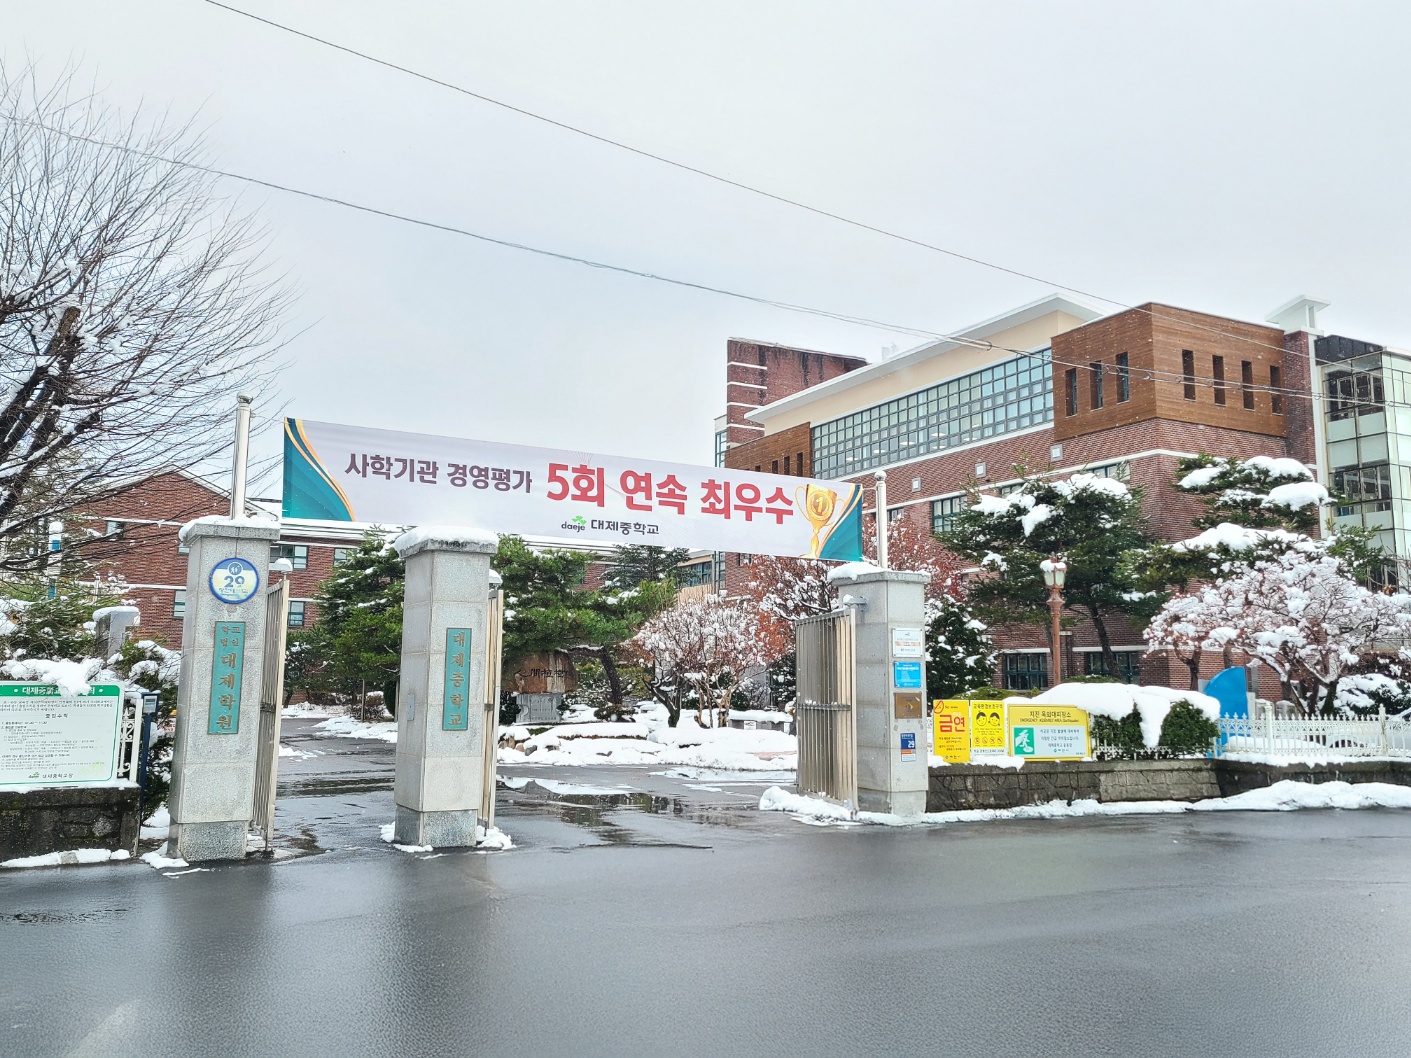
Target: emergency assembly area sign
(1048, 732)
(385, 477)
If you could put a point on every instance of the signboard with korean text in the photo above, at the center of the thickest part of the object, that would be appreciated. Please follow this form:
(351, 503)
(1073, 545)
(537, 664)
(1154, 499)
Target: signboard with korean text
(907, 675)
(227, 669)
(1048, 732)
(951, 731)
(53, 739)
(987, 729)
(353, 474)
(908, 643)
(455, 707)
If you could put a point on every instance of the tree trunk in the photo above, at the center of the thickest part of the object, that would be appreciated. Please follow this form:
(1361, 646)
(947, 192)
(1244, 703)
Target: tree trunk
(1193, 663)
(1109, 659)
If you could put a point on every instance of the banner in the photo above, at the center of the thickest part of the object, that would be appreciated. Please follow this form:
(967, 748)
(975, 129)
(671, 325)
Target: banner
(352, 474)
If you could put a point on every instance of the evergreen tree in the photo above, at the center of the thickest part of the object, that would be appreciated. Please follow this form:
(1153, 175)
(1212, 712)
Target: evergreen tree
(357, 640)
(634, 564)
(1091, 522)
(959, 651)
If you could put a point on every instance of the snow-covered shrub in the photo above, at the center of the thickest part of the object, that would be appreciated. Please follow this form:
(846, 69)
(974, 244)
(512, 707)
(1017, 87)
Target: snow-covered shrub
(154, 668)
(1187, 730)
(1124, 733)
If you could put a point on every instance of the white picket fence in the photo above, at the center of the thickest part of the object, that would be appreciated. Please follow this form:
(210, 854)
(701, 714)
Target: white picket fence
(1375, 736)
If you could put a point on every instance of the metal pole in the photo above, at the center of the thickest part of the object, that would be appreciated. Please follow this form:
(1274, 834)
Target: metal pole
(1055, 608)
(149, 709)
(881, 478)
(243, 403)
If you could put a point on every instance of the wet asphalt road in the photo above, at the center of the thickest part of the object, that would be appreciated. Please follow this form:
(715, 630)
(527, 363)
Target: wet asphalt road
(673, 919)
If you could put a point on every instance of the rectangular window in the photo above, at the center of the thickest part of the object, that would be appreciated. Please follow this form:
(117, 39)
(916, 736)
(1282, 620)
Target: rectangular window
(178, 603)
(1095, 385)
(788, 471)
(341, 554)
(1026, 672)
(297, 554)
(1129, 664)
(1124, 379)
(1276, 383)
(1217, 374)
(296, 613)
(1247, 384)
(1070, 390)
(943, 512)
(1188, 374)
(798, 462)
(774, 467)
(112, 528)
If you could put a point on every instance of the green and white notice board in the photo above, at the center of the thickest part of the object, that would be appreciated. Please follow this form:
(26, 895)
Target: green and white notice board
(52, 739)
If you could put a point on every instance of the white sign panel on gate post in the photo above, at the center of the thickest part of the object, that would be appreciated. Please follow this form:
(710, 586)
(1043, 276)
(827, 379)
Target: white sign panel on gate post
(352, 474)
(908, 643)
(53, 739)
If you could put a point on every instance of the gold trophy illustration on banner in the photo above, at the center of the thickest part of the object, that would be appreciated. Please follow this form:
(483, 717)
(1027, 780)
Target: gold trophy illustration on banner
(818, 505)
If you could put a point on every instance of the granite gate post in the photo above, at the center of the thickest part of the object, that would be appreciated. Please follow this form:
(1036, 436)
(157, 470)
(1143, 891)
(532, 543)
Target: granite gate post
(218, 697)
(892, 772)
(441, 706)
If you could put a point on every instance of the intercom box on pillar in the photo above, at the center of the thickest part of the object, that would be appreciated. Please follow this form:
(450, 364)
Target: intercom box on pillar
(441, 707)
(892, 765)
(218, 696)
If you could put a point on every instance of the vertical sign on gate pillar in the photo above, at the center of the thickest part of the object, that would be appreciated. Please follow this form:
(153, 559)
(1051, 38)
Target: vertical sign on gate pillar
(455, 709)
(228, 662)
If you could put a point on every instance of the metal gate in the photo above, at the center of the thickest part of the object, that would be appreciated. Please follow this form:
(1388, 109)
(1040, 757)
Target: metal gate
(271, 707)
(494, 639)
(824, 711)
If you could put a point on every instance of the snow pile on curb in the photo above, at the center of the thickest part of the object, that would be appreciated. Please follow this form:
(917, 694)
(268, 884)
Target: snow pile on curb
(65, 859)
(1285, 796)
(1117, 700)
(161, 863)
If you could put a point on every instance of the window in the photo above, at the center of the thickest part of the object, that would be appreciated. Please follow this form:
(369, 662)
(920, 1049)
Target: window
(1352, 393)
(1276, 383)
(1188, 374)
(1217, 373)
(1096, 385)
(943, 512)
(1015, 394)
(1070, 391)
(895, 514)
(774, 467)
(1129, 664)
(341, 555)
(297, 554)
(1124, 379)
(799, 464)
(1026, 672)
(178, 603)
(112, 527)
(1117, 471)
(1368, 485)
(296, 613)
(787, 470)
(1247, 384)
(720, 447)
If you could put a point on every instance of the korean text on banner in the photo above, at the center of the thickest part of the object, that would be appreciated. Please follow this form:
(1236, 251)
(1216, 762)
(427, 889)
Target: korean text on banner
(951, 731)
(987, 729)
(347, 473)
(1048, 732)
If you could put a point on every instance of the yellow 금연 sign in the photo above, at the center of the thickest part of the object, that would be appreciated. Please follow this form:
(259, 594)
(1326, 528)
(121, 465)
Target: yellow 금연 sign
(1048, 732)
(950, 723)
(986, 728)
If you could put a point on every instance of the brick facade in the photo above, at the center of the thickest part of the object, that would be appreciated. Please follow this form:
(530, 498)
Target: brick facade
(1150, 431)
(759, 373)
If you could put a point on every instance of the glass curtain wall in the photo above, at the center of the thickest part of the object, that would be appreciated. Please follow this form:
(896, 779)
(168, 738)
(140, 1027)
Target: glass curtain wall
(1013, 395)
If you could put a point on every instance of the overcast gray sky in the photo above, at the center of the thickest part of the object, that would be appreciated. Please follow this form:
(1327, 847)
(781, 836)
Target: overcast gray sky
(1221, 156)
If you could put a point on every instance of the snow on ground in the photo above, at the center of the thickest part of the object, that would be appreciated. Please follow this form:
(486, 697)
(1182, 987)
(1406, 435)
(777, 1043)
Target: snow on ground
(158, 825)
(1285, 796)
(347, 727)
(162, 863)
(305, 711)
(648, 740)
(64, 859)
(297, 754)
(491, 840)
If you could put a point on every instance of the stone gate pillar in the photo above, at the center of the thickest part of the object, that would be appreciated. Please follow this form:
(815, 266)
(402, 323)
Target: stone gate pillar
(218, 697)
(892, 772)
(441, 704)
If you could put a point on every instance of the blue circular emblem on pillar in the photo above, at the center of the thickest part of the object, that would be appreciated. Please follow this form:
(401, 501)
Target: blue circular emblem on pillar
(235, 580)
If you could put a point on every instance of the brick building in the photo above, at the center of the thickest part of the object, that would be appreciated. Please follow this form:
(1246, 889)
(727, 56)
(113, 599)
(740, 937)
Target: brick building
(133, 536)
(1058, 388)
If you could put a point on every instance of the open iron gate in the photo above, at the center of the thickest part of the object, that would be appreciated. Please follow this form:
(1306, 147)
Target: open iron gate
(494, 640)
(825, 711)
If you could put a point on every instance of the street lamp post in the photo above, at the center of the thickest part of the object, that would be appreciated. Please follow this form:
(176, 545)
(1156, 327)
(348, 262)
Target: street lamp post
(1055, 570)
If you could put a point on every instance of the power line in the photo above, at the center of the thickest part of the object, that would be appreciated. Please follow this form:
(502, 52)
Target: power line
(718, 178)
(861, 321)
